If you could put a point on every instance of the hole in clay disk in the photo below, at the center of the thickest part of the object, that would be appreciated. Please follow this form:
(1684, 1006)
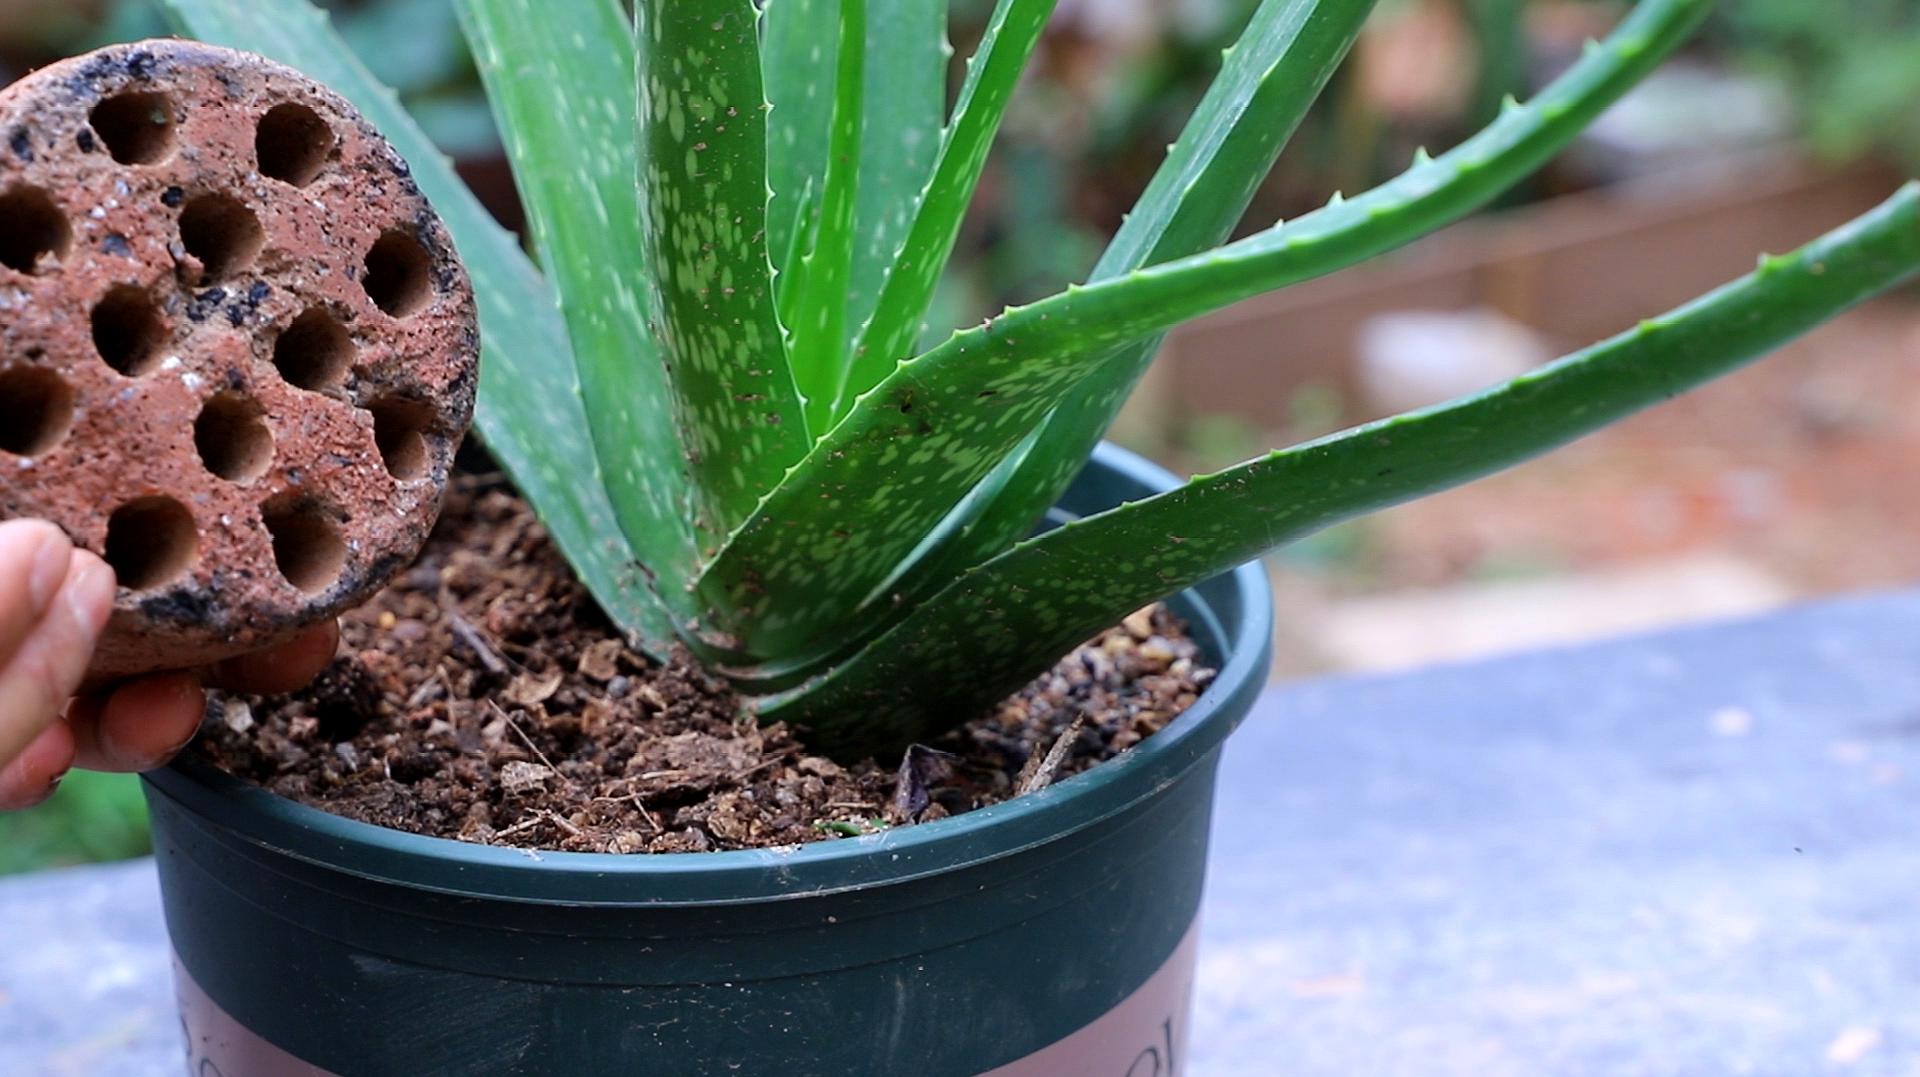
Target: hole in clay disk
(31, 228)
(137, 127)
(292, 144)
(127, 330)
(314, 352)
(400, 431)
(223, 234)
(36, 410)
(150, 541)
(399, 274)
(305, 544)
(232, 436)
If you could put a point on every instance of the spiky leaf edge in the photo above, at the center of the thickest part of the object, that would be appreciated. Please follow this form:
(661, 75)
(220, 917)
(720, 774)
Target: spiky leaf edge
(1268, 79)
(1005, 621)
(875, 486)
(816, 319)
(702, 145)
(992, 72)
(559, 77)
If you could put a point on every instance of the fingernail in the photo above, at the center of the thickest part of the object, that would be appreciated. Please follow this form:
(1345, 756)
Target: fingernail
(45, 794)
(50, 560)
(189, 686)
(177, 749)
(90, 595)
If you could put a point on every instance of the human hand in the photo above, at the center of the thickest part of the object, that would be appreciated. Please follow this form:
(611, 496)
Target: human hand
(54, 603)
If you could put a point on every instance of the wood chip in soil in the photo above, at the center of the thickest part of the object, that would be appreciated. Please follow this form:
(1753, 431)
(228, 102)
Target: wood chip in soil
(484, 697)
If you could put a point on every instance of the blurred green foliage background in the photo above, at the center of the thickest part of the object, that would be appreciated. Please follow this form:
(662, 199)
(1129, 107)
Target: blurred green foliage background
(93, 817)
(1852, 68)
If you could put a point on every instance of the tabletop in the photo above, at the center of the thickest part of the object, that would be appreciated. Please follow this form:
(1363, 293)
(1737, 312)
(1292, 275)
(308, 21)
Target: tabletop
(1691, 852)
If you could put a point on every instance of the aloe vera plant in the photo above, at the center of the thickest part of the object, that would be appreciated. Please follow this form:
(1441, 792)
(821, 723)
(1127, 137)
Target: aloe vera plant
(714, 389)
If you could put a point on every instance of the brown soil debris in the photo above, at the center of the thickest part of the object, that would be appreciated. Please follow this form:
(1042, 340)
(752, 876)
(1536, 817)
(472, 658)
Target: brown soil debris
(484, 697)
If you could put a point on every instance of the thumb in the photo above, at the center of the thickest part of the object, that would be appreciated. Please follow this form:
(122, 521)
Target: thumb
(46, 665)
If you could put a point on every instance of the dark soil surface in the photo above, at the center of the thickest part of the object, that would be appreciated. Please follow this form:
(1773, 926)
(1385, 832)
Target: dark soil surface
(484, 697)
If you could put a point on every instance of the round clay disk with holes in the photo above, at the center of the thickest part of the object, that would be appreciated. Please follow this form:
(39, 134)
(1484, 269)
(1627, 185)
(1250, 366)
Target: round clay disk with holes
(236, 349)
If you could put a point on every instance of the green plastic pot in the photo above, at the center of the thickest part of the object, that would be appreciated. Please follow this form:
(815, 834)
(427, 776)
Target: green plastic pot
(1052, 934)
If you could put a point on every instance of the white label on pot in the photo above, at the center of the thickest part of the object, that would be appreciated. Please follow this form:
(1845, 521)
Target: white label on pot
(1144, 1036)
(219, 1046)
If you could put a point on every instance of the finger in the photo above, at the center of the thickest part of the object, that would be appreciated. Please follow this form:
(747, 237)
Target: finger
(33, 560)
(139, 725)
(48, 665)
(34, 776)
(283, 668)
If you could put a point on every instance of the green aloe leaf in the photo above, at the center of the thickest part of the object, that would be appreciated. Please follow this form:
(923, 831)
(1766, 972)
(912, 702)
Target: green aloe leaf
(703, 211)
(1036, 474)
(907, 53)
(816, 320)
(992, 72)
(785, 293)
(1002, 623)
(882, 479)
(1267, 81)
(530, 412)
(560, 77)
(799, 40)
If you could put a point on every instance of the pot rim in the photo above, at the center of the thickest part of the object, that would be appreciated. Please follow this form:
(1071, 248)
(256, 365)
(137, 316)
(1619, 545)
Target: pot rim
(284, 827)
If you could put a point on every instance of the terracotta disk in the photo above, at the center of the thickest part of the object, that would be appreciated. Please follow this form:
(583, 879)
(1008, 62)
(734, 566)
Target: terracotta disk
(237, 351)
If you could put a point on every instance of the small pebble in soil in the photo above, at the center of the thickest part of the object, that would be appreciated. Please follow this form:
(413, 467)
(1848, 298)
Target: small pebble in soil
(484, 697)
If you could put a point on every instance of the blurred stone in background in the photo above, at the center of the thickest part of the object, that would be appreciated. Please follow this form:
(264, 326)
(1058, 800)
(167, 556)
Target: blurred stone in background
(1410, 359)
